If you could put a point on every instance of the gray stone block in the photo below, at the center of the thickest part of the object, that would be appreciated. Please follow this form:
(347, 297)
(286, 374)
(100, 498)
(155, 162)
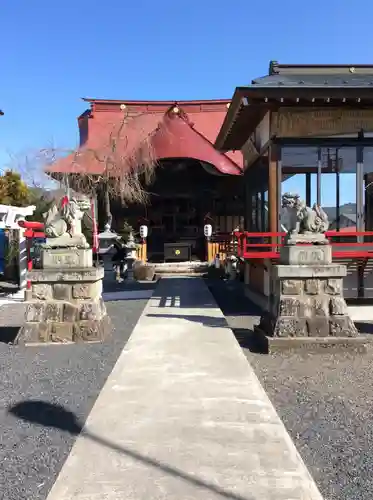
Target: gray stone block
(312, 286)
(314, 344)
(316, 306)
(342, 326)
(289, 306)
(305, 255)
(70, 313)
(291, 287)
(53, 312)
(41, 291)
(92, 330)
(338, 306)
(61, 332)
(318, 326)
(65, 276)
(62, 291)
(300, 272)
(66, 258)
(31, 333)
(290, 327)
(86, 290)
(102, 307)
(90, 311)
(334, 286)
(35, 312)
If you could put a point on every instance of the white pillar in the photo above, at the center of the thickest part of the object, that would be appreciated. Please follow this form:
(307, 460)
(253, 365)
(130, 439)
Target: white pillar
(9, 218)
(22, 258)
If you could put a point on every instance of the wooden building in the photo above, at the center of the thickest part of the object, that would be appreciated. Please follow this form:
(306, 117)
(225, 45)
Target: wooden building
(310, 121)
(194, 183)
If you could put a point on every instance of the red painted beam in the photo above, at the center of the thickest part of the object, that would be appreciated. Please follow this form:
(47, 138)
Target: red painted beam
(30, 224)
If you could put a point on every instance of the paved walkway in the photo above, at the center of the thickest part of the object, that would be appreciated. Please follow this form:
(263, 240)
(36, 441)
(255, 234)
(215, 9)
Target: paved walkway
(183, 416)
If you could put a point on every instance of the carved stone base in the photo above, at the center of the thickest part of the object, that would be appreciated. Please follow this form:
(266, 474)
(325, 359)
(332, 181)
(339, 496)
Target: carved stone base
(307, 300)
(65, 258)
(305, 255)
(306, 238)
(67, 241)
(65, 305)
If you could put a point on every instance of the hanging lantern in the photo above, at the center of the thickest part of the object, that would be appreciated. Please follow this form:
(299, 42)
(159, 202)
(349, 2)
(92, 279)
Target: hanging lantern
(143, 231)
(207, 230)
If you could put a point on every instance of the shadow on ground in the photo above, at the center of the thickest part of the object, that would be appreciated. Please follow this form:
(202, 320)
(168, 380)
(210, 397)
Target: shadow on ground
(210, 321)
(56, 416)
(364, 327)
(241, 314)
(110, 285)
(180, 298)
(8, 334)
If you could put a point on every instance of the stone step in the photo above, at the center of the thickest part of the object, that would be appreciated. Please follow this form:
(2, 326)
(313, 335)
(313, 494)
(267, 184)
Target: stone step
(181, 268)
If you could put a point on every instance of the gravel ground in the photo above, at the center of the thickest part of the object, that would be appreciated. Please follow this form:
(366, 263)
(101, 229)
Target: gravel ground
(325, 401)
(31, 456)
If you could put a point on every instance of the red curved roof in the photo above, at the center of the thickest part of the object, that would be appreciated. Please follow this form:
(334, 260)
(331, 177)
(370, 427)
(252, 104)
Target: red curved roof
(189, 133)
(176, 138)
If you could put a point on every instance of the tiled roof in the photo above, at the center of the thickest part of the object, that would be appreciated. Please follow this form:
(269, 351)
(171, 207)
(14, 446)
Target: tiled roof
(190, 134)
(319, 80)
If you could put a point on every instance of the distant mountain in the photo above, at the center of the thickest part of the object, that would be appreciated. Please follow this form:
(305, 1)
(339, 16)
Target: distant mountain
(348, 210)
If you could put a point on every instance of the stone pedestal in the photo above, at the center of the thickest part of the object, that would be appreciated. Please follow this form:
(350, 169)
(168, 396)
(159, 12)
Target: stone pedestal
(55, 258)
(65, 301)
(306, 300)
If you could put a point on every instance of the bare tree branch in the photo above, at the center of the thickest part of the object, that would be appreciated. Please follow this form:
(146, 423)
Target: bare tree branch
(118, 161)
(123, 161)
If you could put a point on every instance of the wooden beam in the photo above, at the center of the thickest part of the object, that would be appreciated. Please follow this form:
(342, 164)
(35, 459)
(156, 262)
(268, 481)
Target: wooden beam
(273, 187)
(325, 141)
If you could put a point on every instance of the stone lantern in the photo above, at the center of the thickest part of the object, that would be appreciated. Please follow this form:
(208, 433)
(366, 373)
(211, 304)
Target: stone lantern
(131, 256)
(106, 248)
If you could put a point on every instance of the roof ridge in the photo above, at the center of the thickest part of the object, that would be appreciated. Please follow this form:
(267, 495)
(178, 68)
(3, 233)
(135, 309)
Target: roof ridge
(156, 102)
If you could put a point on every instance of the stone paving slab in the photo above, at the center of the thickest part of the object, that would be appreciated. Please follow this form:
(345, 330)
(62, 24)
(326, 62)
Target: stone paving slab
(183, 416)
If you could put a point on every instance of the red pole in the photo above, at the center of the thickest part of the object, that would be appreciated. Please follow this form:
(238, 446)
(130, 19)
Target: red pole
(29, 260)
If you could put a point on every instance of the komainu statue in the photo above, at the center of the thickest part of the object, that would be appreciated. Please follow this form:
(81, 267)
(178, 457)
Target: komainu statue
(63, 223)
(305, 224)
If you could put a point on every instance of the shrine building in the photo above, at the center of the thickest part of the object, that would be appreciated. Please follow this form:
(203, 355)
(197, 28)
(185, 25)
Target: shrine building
(306, 129)
(194, 183)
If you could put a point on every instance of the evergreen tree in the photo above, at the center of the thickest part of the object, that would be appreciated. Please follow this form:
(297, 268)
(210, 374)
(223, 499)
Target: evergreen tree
(13, 191)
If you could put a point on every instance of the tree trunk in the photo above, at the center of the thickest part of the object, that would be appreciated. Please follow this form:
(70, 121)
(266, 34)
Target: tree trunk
(109, 217)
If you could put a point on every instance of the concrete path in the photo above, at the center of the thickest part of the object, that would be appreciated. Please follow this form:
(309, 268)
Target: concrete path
(127, 294)
(183, 416)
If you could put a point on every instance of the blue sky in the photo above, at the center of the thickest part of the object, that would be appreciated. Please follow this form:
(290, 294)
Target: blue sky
(54, 53)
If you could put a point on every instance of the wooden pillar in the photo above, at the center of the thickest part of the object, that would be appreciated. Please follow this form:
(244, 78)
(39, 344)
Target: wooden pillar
(274, 183)
(368, 187)
(262, 212)
(247, 203)
(142, 251)
(308, 189)
(145, 251)
(209, 250)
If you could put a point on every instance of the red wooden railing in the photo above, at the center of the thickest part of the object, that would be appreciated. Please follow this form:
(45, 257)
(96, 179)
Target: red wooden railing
(32, 230)
(266, 245)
